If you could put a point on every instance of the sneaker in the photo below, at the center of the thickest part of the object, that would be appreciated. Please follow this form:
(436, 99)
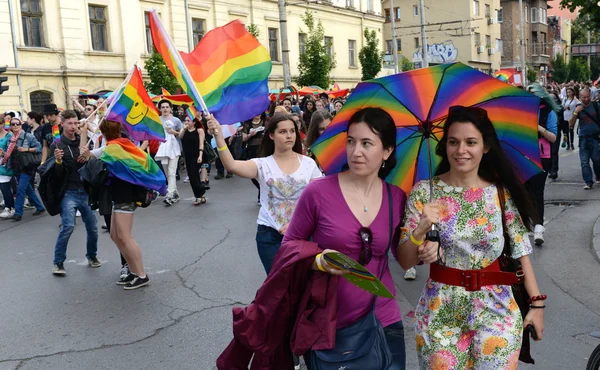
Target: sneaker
(564, 144)
(219, 176)
(40, 211)
(27, 205)
(538, 234)
(127, 279)
(59, 269)
(187, 179)
(229, 175)
(137, 282)
(587, 186)
(410, 274)
(124, 271)
(93, 262)
(77, 214)
(16, 217)
(175, 198)
(168, 201)
(597, 181)
(7, 213)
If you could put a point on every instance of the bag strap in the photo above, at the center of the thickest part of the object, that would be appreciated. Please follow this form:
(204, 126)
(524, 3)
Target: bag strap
(391, 217)
(501, 197)
(595, 120)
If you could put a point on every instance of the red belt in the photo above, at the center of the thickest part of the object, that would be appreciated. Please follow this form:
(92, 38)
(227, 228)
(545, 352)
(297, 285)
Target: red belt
(472, 280)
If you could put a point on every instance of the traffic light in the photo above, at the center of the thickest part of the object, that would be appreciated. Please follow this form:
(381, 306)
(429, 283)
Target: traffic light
(3, 79)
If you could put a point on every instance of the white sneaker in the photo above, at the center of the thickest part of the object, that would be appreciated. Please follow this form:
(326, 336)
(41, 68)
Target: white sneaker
(410, 274)
(77, 214)
(187, 179)
(538, 234)
(587, 186)
(7, 213)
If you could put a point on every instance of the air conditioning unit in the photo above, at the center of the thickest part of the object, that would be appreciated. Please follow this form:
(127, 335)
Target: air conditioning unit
(491, 51)
(480, 49)
(491, 20)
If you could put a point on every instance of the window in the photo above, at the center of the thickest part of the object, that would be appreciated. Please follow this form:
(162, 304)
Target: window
(417, 42)
(98, 27)
(397, 14)
(349, 3)
(388, 17)
(543, 43)
(488, 11)
(534, 43)
(273, 44)
(477, 39)
(369, 5)
(352, 53)
(31, 16)
(329, 46)
(476, 7)
(302, 42)
(499, 15)
(499, 46)
(526, 14)
(388, 46)
(197, 30)
(534, 15)
(488, 41)
(38, 99)
(149, 45)
(415, 10)
(542, 15)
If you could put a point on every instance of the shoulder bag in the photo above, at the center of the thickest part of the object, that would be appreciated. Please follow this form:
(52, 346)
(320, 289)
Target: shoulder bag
(27, 161)
(362, 345)
(512, 265)
(209, 154)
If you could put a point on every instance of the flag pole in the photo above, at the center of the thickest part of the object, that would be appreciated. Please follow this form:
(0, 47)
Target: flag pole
(177, 57)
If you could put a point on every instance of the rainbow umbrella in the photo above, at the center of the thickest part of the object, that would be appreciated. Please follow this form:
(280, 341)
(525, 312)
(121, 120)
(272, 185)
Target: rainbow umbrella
(503, 75)
(418, 101)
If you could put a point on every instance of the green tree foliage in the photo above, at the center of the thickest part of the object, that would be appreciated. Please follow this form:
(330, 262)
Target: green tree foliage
(579, 36)
(315, 65)
(578, 70)
(160, 76)
(532, 74)
(588, 10)
(370, 57)
(406, 65)
(253, 29)
(561, 69)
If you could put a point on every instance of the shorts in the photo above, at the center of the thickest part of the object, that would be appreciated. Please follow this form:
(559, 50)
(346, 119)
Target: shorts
(128, 207)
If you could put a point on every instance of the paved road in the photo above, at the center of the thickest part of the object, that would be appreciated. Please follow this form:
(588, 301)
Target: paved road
(202, 261)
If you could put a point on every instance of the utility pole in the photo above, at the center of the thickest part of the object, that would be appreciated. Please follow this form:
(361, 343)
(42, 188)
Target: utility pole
(589, 56)
(394, 42)
(522, 32)
(425, 62)
(285, 52)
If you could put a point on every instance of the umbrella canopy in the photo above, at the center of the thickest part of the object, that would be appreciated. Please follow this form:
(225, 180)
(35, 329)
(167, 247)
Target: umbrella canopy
(503, 75)
(310, 90)
(418, 101)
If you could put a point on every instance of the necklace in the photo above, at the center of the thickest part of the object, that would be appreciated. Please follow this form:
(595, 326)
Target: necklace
(365, 208)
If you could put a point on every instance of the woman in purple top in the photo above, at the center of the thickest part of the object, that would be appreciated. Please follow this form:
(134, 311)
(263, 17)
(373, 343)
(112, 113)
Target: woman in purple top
(337, 209)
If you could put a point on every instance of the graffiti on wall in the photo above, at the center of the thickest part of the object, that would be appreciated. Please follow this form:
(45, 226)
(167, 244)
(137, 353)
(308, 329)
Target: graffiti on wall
(444, 52)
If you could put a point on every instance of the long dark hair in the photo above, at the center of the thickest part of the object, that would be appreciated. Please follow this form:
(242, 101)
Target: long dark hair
(313, 128)
(267, 146)
(495, 166)
(382, 124)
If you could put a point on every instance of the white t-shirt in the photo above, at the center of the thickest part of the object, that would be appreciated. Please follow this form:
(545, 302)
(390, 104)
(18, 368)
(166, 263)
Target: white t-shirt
(279, 192)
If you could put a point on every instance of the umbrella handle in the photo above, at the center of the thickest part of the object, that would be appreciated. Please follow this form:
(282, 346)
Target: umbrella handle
(433, 235)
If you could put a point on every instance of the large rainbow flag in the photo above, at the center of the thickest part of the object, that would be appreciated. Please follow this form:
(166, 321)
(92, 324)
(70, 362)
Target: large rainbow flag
(135, 110)
(226, 73)
(129, 163)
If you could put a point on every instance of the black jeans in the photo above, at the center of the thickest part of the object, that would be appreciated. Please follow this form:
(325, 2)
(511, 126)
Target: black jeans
(554, 152)
(193, 171)
(536, 186)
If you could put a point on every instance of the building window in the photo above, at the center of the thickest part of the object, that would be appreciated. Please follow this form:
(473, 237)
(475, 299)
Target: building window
(417, 42)
(38, 99)
(399, 44)
(329, 46)
(349, 3)
(388, 46)
(499, 46)
(273, 44)
(98, 27)
(476, 7)
(542, 15)
(543, 44)
(369, 5)
(197, 30)
(526, 14)
(488, 11)
(352, 53)
(488, 41)
(31, 16)
(397, 12)
(415, 10)
(534, 15)
(302, 43)
(477, 39)
(388, 17)
(149, 45)
(534, 43)
(499, 15)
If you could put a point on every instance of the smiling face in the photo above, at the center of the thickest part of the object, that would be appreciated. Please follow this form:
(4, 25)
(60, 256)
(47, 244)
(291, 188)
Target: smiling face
(364, 150)
(137, 113)
(284, 136)
(465, 147)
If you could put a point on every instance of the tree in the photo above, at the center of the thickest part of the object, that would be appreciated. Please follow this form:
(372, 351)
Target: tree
(406, 64)
(253, 29)
(370, 57)
(588, 10)
(561, 69)
(532, 75)
(579, 36)
(578, 70)
(160, 75)
(315, 65)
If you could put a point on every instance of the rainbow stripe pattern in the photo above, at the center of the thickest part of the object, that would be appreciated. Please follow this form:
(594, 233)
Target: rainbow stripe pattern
(133, 108)
(503, 75)
(418, 101)
(129, 163)
(228, 70)
(55, 133)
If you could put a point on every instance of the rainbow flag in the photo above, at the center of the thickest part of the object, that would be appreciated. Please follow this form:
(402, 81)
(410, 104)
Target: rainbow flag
(191, 112)
(129, 163)
(56, 133)
(134, 109)
(226, 73)
(83, 92)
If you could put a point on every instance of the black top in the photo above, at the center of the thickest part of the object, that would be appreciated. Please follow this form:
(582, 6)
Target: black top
(122, 191)
(69, 167)
(191, 143)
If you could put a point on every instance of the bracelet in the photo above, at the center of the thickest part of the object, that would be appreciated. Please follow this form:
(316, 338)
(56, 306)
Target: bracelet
(541, 297)
(538, 307)
(201, 149)
(415, 241)
(58, 162)
(318, 261)
(223, 148)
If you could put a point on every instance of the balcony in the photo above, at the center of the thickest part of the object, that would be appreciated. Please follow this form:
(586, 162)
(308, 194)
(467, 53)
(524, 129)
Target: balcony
(539, 59)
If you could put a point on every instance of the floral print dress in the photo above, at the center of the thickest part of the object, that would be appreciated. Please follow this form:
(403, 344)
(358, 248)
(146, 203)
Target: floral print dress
(457, 329)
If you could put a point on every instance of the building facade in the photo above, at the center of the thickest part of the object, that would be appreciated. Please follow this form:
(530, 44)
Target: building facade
(537, 41)
(464, 31)
(54, 48)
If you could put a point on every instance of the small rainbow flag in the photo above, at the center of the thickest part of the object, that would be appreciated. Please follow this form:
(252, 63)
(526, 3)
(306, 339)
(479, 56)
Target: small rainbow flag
(83, 92)
(56, 133)
(129, 163)
(503, 75)
(191, 112)
(226, 73)
(134, 109)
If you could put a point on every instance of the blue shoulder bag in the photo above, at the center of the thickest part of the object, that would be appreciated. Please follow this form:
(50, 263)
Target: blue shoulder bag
(362, 345)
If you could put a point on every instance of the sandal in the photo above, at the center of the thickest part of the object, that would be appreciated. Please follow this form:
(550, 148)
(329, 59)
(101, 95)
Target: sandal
(199, 201)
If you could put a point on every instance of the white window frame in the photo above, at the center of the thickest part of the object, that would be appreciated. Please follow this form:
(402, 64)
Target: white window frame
(352, 53)
(476, 7)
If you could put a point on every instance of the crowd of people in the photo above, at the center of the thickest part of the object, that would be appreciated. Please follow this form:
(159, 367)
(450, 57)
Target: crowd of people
(302, 211)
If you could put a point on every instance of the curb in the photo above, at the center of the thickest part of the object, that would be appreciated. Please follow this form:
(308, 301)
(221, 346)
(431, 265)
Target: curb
(596, 239)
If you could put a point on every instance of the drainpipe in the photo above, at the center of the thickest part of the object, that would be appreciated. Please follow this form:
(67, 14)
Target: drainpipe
(187, 27)
(16, 56)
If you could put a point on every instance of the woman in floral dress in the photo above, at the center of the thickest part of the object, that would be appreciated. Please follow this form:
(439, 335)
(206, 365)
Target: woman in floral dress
(456, 328)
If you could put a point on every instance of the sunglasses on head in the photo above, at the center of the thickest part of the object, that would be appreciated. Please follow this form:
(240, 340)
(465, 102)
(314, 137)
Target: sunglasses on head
(366, 238)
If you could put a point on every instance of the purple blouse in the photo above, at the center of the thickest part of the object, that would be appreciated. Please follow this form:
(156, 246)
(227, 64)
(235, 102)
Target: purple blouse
(322, 212)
